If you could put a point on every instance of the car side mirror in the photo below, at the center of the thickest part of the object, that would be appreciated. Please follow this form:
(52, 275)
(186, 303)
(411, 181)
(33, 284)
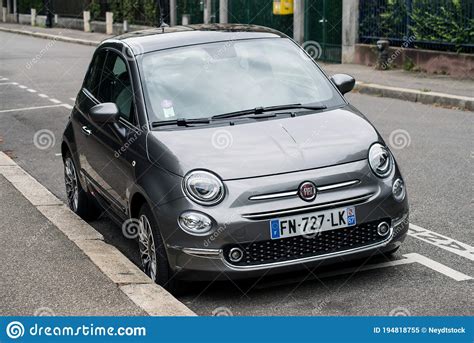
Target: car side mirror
(345, 83)
(107, 112)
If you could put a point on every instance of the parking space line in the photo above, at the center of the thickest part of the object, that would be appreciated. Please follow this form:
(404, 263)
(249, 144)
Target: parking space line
(31, 90)
(8, 83)
(72, 99)
(56, 101)
(29, 108)
(441, 241)
(22, 87)
(439, 267)
(69, 107)
(408, 259)
(43, 95)
(3, 79)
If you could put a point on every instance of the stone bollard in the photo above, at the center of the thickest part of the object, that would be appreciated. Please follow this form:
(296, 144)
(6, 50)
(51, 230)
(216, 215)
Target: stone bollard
(56, 19)
(186, 19)
(87, 21)
(125, 26)
(33, 17)
(109, 23)
(4, 14)
(382, 57)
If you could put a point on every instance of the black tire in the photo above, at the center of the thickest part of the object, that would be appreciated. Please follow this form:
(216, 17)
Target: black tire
(391, 252)
(163, 274)
(84, 206)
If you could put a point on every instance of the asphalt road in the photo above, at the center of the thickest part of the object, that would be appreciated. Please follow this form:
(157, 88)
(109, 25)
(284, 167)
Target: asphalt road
(434, 147)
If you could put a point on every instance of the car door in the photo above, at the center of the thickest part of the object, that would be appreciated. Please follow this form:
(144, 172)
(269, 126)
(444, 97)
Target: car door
(104, 147)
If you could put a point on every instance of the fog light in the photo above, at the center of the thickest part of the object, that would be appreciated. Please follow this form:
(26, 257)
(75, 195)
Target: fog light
(383, 229)
(195, 223)
(235, 254)
(398, 190)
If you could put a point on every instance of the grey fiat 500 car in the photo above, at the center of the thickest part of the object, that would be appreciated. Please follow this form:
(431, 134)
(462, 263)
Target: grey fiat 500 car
(232, 152)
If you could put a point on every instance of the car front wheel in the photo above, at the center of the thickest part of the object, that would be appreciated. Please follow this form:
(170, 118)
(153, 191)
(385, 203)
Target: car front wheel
(78, 200)
(154, 261)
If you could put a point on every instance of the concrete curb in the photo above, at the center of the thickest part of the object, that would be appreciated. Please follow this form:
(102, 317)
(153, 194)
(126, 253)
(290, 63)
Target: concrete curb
(153, 299)
(52, 37)
(407, 94)
(413, 95)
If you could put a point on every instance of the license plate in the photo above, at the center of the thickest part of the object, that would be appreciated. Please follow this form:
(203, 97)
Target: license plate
(312, 223)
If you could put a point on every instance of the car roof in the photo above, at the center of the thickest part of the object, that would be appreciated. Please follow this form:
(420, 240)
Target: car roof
(177, 36)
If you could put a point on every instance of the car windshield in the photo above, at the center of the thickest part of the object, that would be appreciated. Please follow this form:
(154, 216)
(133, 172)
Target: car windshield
(201, 81)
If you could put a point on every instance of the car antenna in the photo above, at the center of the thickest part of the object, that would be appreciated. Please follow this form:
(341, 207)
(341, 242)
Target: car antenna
(162, 16)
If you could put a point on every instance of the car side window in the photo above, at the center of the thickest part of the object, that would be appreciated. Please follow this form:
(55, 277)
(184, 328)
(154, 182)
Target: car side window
(92, 80)
(116, 86)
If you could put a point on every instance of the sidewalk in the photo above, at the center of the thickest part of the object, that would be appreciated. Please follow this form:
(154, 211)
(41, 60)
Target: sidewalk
(404, 79)
(410, 86)
(58, 33)
(41, 270)
(53, 263)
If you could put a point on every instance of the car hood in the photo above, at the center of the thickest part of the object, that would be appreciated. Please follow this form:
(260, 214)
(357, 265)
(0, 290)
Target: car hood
(265, 147)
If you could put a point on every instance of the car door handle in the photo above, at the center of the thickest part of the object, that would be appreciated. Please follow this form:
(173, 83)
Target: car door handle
(86, 131)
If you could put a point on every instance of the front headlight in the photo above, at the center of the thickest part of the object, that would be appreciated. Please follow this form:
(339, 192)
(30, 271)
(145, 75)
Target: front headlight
(195, 223)
(380, 160)
(203, 187)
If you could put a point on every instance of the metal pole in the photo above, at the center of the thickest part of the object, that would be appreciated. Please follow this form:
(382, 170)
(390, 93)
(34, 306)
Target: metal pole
(173, 18)
(223, 11)
(298, 21)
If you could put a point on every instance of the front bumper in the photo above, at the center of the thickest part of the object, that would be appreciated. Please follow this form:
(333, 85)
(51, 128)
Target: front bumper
(212, 264)
(239, 221)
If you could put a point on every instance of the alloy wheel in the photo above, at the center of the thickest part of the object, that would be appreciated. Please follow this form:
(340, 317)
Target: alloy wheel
(72, 188)
(146, 243)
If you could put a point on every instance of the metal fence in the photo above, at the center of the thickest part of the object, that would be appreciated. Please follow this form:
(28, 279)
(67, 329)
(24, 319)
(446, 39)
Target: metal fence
(446, 25)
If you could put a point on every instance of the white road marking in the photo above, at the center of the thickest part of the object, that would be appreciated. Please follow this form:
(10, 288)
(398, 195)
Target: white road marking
(3, 79)
(69, 107)
(443, 242)
(56, 101)
(58, 154)
(43, 95)
(73, 99)
(22, 87)
(408, 259)
(29, 108)
(8, 83)
(31, 90)
(439, 267)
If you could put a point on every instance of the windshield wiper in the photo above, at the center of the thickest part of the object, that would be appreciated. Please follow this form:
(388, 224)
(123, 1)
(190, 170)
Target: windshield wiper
(181, 122)
(259, 110)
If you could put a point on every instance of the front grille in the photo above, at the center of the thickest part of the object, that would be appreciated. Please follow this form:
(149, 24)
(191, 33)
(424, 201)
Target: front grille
(292, 248)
